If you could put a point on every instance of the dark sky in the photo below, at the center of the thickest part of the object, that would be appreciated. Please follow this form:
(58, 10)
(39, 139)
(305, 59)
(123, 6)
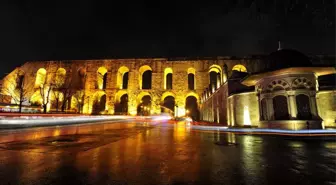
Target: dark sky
(54, 30)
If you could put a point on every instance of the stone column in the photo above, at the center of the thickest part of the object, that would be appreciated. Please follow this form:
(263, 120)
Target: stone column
(270, 111)
(292, 104)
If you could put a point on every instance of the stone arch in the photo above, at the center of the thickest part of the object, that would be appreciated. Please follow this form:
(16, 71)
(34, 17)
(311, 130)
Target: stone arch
(99, 102)
(60, 77)
(302, 83)
(101, 78)
(280, 107)
(264, 112)
(215, 75)
(168, 78)
(122, 77)
(40, 79)
(145, 77)
(191, 106)
(121, 102)
(144, 102)
(191, 78)
(303, 107)
(240, 68)
(277, 85)
(168, 104)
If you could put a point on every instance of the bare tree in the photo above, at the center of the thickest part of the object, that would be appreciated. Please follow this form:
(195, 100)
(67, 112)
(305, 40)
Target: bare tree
(18, 87)
(66, 90)
(45, 90)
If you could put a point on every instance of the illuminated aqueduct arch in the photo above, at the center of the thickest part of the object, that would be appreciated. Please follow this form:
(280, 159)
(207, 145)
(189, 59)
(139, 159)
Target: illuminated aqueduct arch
(168, 78)
(144, 103)
(191, 106)
(60, 76)
(239, 68)
(40, 77)
(99, 102)
(216, 75)
(122, 77)
(145, 77)
(101, 78)
(191, 78)
(121, 102)
(168, 102)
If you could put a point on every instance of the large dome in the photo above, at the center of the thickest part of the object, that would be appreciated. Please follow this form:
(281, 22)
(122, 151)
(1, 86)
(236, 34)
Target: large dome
(286, 58)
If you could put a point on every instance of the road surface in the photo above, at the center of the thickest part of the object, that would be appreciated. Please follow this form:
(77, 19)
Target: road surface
(146, 154)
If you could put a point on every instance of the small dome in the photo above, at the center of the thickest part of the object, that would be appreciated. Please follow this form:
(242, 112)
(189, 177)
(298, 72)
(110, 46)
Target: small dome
(286, 58)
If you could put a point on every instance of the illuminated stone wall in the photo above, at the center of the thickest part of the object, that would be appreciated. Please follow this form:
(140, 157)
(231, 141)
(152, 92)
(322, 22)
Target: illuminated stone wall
(86, 80)
(244, 109)
(326, 105)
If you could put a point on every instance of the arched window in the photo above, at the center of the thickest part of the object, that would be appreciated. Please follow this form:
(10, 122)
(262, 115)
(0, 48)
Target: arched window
(280, 108)
(169, 81)
(125, 81)
(264, 109)
(145, 77)
(191, 79)
(215, 73)
(122, 77)
(239, 68)
(102, 78)
(168, 78)
(60, 77)
(40, 77)
(303, 107)
(192, 108)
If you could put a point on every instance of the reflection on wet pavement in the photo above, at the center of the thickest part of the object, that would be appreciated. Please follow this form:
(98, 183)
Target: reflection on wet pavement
(166, 154)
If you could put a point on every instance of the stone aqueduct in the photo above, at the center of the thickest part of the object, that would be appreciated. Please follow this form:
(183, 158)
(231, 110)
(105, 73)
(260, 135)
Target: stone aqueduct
(105, 82)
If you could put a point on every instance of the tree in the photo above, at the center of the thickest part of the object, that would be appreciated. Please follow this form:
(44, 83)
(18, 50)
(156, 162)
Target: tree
(45, 89)
(65, 92)
(18, 87)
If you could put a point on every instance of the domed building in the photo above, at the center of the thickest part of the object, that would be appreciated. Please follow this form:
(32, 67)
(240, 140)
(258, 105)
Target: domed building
(285, 95)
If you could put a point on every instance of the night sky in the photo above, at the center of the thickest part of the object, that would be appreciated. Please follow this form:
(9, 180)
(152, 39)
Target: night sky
(91, 29)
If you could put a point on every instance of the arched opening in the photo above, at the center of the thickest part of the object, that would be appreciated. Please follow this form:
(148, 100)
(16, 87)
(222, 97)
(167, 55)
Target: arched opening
(122, 77)
(121, 107)
(239, 68)
(99, 103)
(145, 77)
(191, 79)
(144, 108)
(40, 77)
(60, 77)
(81, 74)
(192, 108)
(168, 105)
(303, 107)
(168, 78)
(215, 73)
(280, 108)
(125, 81)
(264, 109)
(102, 78)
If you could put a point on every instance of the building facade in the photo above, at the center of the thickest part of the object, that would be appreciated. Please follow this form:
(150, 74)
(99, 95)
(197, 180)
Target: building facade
(287, 95)
(209, 89)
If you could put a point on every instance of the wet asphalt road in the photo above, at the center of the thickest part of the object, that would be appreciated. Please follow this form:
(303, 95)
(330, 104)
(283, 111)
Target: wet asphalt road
(164, 154)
